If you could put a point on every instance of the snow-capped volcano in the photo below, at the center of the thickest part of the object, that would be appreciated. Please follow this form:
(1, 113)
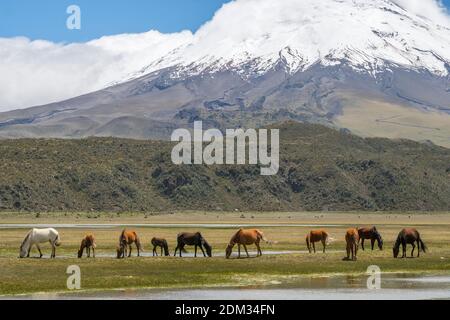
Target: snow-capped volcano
(375, 67)
(367, 34)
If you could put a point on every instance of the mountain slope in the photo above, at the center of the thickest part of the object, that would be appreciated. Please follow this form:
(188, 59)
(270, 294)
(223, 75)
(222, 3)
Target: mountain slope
(320, 169)
(258, 62)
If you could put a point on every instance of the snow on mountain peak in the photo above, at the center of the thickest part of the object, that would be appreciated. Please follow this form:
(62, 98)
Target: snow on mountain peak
(366, 33)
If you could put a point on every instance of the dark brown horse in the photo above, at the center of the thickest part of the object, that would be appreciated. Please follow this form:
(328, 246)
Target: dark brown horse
(87, 243)
(193, 239)
(317, 236)
(409, 236)
(352, 240)
(371, 234)
(161, 243)
(245, 238)
(126, 239)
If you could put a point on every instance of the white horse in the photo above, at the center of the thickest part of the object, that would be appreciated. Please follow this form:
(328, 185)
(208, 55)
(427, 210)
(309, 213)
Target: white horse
(37, 236)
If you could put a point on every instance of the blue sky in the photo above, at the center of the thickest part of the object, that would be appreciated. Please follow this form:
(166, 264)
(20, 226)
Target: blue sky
(46, 19)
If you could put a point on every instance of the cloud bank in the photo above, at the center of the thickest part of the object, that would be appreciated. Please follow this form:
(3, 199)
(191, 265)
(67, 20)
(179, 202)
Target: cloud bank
(40, 72)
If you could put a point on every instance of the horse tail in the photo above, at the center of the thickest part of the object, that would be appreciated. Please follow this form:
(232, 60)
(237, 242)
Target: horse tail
(261, 235)
(57, 240)
(422, 244)
(138, 242)
(328, 239)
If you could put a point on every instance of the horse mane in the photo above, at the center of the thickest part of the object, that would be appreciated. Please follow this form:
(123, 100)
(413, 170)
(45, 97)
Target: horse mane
(233, 238)
(27, 237)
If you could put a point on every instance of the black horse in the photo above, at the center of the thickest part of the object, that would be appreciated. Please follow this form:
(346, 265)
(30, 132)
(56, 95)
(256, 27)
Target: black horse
(409, 236)
(193, 239)
(162, 243)
(371, 234)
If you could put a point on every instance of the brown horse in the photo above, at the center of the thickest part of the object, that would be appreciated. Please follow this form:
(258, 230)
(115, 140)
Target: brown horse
(245, 238)
(371, 234)
(352, 240)
(409, 236)
(162, 243)
(193, 239)
(87, 243)
(317, 236)
(126, 239)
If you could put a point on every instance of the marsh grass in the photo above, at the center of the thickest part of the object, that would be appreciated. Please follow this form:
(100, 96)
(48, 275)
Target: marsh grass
(43, 275)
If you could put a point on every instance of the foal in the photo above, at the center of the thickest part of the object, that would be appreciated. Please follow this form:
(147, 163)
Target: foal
(162, 243)
(87, 243)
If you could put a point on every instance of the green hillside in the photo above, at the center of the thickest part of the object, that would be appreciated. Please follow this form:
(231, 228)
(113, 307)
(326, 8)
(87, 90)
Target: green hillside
(320, 169)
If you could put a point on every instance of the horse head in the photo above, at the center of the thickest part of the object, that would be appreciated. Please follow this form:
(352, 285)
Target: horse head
(228, 251)
(207, 247)
(120, 251)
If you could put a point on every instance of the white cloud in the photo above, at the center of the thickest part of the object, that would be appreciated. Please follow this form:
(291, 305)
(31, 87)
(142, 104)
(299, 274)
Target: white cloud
(40, 72)
(431, 9)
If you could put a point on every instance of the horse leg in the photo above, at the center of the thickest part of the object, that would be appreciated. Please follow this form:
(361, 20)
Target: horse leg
(239, 251)
(203, 251)
(138, 249)
(413, 248)
(362, 244)
(404, 249)
(93, 252)
(53, 251)
(246, 251)
(195, 254)
(259, 249)
(129, 248)
(314, 246)
(40, 252)
(372, 241)
(324, 244)
(161, 251)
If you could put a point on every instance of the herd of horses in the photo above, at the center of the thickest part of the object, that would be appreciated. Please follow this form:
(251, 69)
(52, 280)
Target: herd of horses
(242, 238)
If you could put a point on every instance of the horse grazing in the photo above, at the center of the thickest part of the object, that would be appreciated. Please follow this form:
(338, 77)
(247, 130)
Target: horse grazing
(38, 236)
(317, 236)
(87, 243)
(126, 239)
(352, 240)
(193, 239)
(409, 236)
(373, 235)
(162, 243)
(245, 238)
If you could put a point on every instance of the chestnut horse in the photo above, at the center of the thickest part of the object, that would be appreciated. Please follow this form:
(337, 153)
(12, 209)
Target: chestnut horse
(87, 243)
(352, 240)
(126, 239)
(317, 236)
(373, 235)
(245, 238)
(409, 236)
(162, 243)
(193, 239)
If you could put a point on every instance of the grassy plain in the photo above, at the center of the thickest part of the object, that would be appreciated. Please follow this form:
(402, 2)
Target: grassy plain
(20, 276)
